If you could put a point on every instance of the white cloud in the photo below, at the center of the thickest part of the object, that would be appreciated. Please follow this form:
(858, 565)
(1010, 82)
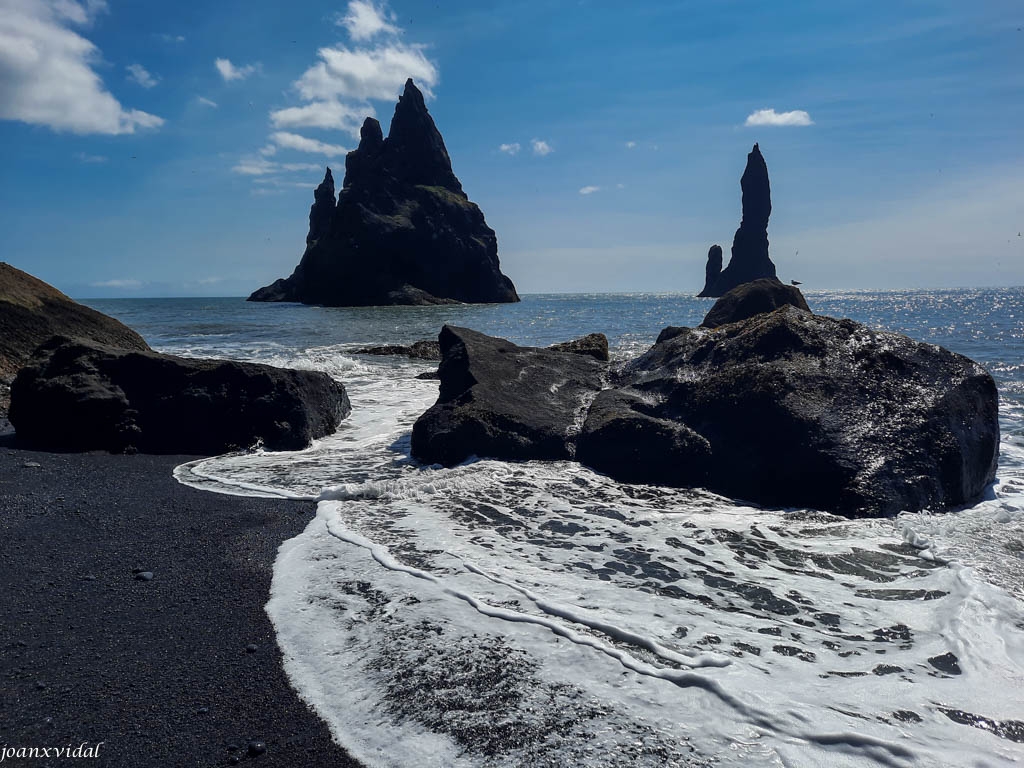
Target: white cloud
(259, 166)
(268, 151)
(138, 74)
(361, 74)
(206, 102)
(510, 149)
(589, 190)
(365, 20)
(304, 144)
(331, 114)
(82, 157)
(230, 72)
(771, 117)
(171, 38)
(541, 147)
(46, 70)
(630, 144)
(128, 283)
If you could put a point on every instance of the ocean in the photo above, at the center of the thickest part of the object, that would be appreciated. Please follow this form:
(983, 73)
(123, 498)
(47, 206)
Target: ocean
(540, 614)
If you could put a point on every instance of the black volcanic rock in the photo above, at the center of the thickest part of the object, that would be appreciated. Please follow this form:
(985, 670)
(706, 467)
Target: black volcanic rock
(80, 396)
(426, 349)
(753, 298)
(504, 401)
(713, 270)
(624, 439)
(403, 230)
(750, 260)
(32, 311)
(322, 210)
(593, 344)
(783, 408)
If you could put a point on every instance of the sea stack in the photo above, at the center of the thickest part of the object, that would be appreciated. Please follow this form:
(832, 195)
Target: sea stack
(402, 231)
(750, 260)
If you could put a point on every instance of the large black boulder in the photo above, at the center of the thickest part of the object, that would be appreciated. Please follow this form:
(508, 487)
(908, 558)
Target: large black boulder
(805, 410)
(753, 298)
(783, 408)
(79, 396)
(504, 401)
(403, 230)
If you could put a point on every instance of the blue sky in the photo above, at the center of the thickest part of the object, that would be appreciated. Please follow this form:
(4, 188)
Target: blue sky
(154, 149)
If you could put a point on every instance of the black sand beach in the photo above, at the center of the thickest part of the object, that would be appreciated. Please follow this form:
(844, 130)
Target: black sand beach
(157, 670)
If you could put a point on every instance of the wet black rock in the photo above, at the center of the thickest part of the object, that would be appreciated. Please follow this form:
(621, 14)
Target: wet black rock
(504, 401)
(750, 260)
(784, 408)
(256, 748)
(805, 410)
(427, 349)
(749, 299)
(623, 438)
(402, 232)
(593, 344)
(79, 396)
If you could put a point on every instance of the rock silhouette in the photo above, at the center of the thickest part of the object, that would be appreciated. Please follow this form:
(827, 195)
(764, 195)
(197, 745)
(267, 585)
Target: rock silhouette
(402, 232)
(750, 260)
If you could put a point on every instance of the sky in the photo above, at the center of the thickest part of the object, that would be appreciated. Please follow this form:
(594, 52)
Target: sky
(171, 149)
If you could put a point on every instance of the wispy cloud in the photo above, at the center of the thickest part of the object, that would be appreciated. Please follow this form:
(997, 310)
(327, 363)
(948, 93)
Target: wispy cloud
(46, 70)
(541, 148)
(331, 114)
(230, 72)
(510, 149)
(305, 144)
(589, 190)
(206, 102)
(125, 283)
(630, 144)
(797, 117)
(138, 74)
(364, 20)
(259, 166)
(82, 157)
(171, 38)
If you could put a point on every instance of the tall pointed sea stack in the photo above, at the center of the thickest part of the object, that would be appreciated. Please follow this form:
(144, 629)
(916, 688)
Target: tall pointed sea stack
(750, 260)
(402, 232)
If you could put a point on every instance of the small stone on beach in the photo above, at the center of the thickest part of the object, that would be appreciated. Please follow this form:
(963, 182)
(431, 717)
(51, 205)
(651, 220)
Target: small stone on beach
(32, 465)
(144, 576)
(251, 648)
(256, 748)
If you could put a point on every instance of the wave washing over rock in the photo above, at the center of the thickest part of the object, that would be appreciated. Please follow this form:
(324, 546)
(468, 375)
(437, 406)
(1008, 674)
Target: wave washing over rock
(540, 614)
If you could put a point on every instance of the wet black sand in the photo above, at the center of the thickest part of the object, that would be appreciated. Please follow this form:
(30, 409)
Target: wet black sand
(158, 670)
